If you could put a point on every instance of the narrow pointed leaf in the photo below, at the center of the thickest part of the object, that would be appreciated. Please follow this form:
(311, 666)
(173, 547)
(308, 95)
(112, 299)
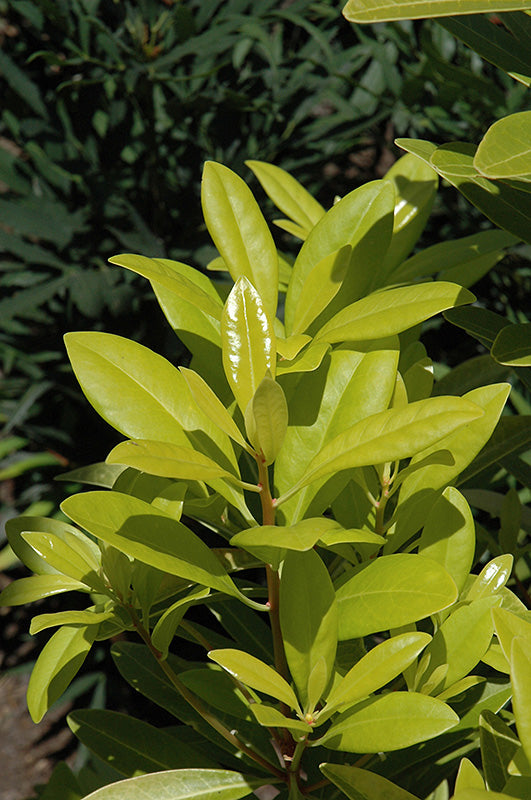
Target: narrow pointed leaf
(390, 592)
(65, 558)
(273, 718)
(165, 628)
(392, 311)
(240, 232)
(181, 784)
(27, 590)
(389, 722)
(386, 10)
(141, 531)
(25, 524)
(267, 415)
(254, 673)
(249, 347)
(361, 784)
(287, 194)
(88, 617)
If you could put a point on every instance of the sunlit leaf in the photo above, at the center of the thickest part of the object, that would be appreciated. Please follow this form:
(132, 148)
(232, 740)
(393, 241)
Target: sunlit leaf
(361, 784)
(254, 673)
(504, 151)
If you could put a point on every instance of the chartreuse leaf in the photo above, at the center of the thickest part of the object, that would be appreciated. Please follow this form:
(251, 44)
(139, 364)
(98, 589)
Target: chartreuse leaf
(468, 776)
(25, 524)
(520, 660)
(210, 405)
(361, 784)
(390, 592)
(386, 10)
(240, 232)
(255, 673)
(375, 669)
(91, 616)
(417, 493)
(169, 461)
(415, 184)
(305, 584)
(129, 745)
(288, 194)
(480, 794)
(506, 206)
(504, 151)
(509, 626)
(349, 386)
(266, 419)
(181, 784)
(392, 311)
(308, 360)
(449, 535)
(459, 643)
(513, 345)
(57, 665)
(271, 717)
(390, 435)
(498, 747)
(164, 630)
(364, 220)
(27, 590)
(320, 287)
(141, 531)
(65, 558)
(162, 272)
(248, 341)
(492, 577)
(289, 348)
(389, 722)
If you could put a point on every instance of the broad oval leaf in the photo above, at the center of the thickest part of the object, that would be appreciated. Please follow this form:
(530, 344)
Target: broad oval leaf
(141, 531)
(130, 745)
(513, 345)
(389, 722)
(240, 231)
(504, 151)
(305, 584)
(392, 311)
(255, 673)
(266, 419)
(181, 784)
(492, 577)
(57, 665)
(390, 592)
(361, 784)
(248, 342)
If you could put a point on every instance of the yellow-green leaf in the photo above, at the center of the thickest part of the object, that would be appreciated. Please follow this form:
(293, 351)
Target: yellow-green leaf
(254, 673)
(505, 150)
(320, 287)
(266, 419)
(387, 10)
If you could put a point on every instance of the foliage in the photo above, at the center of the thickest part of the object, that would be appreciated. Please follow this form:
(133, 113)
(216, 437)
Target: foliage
(296, 483)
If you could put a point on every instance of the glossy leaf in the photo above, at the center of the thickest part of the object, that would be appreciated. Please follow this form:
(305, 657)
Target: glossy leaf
(320, 287)
(460, 643)
(386, 10)
(375, 669)
(308, 360)
(129, 745)
(508, 627)
(392, 311)
(390, 592)
(504, 151)
(362, 219)
(254, 673)
(66, 558)
(249, 348)
(266, 419)
(27, 590)
(288, 194)
(25, 524)
(240, 232)
(389, 722)
(361, 784)
(416, 184)
(142, 532)
(166, 273)
(305, 583)
(169, 621)
(210, 405)
(180, 784)
(57, 664)
(492, 577)
(391, 435)
(449, 535)
(513, 345)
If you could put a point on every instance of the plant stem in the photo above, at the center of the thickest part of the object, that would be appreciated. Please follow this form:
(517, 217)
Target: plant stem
(196, 703)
